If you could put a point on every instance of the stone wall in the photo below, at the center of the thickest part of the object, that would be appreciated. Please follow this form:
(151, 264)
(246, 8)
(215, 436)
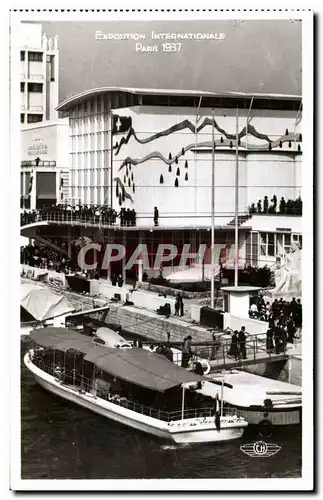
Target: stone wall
(149, 325)
(171, 291)
(141, 322)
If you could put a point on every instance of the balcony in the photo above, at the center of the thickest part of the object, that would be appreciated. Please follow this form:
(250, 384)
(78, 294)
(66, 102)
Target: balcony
(36, 78)
(35, 109)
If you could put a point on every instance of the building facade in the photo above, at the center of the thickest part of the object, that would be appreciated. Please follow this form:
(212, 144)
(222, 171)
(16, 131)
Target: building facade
(44, 174)
(39, 75)
(161, 155)
(143, 148)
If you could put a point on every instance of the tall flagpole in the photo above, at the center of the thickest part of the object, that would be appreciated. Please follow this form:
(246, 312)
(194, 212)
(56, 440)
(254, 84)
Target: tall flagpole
(295, 125)
(111, 160)
(212, 215)
(236, 239)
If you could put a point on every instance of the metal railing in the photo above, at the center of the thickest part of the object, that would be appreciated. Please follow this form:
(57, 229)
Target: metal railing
(69, 217)
(74, 380)
(219, 352)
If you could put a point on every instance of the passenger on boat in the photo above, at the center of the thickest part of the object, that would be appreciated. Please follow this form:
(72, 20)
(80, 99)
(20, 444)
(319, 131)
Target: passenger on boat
(186, 351)
(198, 369)
(166, 351)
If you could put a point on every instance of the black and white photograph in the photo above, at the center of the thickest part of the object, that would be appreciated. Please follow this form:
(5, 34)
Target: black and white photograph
(164, 168)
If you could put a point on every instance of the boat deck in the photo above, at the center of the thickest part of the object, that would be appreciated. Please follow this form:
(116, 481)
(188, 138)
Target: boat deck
(237, 390)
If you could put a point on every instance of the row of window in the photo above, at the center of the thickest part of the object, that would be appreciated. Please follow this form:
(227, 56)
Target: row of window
(259, 246)
(32, 56)
(34, 118)
(32, 87)
(276, 244)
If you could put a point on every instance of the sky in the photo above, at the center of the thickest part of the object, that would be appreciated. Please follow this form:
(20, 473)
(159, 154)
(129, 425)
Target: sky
(255, 56)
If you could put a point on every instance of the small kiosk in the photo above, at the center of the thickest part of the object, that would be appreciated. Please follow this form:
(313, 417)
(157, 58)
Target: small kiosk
(236, 299)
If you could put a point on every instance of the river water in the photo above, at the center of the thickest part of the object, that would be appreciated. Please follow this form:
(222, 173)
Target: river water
(60, 440)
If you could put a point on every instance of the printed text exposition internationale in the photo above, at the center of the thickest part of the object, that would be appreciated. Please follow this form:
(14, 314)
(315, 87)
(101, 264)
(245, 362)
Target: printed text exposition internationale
(100, 35)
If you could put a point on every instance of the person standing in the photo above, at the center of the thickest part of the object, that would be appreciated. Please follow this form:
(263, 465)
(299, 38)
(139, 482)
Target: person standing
(198, 369)
(270, 340)
(181, 306)
(266, 204)
(156, 216)
(186, 351)
(177, 304)
(242, 342)
(234, 350)
(291, 330)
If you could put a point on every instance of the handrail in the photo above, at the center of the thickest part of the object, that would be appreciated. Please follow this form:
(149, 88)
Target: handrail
(84, 384)
(218, 351)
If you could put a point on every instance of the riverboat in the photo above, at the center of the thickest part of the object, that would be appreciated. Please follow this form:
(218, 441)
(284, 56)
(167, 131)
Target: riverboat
(258, 399)
(129, 385)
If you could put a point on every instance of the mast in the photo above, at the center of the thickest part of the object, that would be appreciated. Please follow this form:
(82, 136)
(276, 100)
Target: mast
(195, 157)
(212, 215)
(295, 148)
(222, 397)
(236, 238)
(183, 400)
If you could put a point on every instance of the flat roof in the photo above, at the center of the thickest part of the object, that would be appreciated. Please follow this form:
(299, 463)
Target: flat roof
(240, 289)
(82, 96)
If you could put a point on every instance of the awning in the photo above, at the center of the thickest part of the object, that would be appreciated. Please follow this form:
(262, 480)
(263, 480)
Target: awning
(141, 367)
(137, 366)
(61, 339)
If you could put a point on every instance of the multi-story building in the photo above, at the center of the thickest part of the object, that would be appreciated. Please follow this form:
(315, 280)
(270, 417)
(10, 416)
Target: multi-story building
(44, 137)
(38, 75)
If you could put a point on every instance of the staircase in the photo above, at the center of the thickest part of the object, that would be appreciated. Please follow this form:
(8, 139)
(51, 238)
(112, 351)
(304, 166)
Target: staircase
(241, 219)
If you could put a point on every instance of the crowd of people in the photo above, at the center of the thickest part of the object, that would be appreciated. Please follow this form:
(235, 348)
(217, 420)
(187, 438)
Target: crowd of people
(280, 311)
(289, 207)
(48, 259)
(97, 214)
(127, 217)
(44, 258)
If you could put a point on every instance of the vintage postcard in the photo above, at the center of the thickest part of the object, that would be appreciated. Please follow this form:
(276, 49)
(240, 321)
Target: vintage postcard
(165, 168)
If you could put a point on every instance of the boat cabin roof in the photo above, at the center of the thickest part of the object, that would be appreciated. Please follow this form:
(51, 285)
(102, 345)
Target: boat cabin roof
(137, 366)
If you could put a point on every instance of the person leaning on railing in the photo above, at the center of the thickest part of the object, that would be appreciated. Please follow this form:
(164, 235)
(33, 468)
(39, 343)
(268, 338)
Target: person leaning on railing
(186, 351)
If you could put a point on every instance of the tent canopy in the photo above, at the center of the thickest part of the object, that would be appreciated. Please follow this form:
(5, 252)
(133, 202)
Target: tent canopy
(41, 302)
(194, 273)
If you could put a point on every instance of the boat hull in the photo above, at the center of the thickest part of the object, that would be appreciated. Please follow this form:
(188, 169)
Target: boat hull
(276, 417)
(208, 435)
(95, 406)
(178, 431)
